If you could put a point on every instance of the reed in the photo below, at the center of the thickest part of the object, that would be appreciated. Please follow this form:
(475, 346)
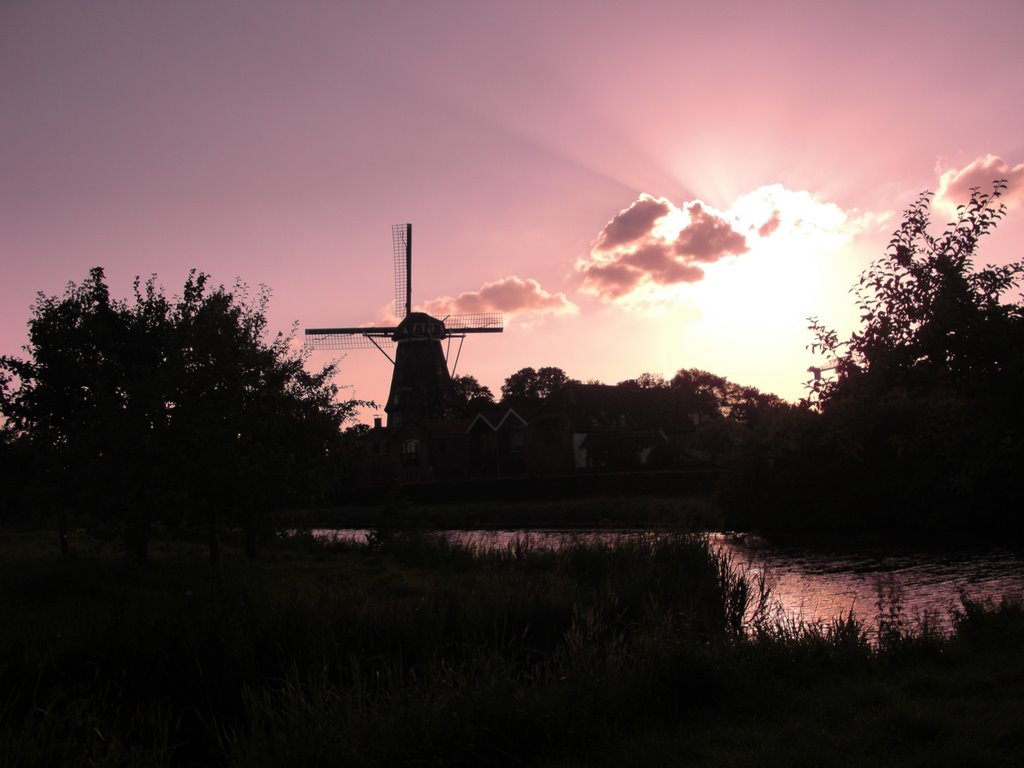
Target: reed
(420, 651)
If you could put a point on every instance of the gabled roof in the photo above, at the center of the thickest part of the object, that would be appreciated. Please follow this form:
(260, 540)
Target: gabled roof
(496, 420)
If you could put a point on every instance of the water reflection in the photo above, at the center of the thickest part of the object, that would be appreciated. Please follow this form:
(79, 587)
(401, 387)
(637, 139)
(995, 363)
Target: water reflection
(822, 584)
(813, 584)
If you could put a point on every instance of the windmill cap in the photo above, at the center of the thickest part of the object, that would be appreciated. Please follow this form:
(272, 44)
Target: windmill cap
(419, 325)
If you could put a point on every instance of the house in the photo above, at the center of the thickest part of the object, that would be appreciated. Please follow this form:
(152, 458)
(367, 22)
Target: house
(580, 428)
(600, 427)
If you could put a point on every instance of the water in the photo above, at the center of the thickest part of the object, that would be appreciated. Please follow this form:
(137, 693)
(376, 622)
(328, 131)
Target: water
(817, 584)
(821, 584)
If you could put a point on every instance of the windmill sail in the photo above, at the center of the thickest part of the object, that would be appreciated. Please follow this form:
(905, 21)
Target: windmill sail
(401, 240)
(482, 322)
(350, 338)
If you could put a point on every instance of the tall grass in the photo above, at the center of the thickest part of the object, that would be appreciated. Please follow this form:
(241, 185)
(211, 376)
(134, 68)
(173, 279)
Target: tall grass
(417, 652)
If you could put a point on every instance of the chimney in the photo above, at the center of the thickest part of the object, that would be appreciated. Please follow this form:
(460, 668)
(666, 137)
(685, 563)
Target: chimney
(377, 423)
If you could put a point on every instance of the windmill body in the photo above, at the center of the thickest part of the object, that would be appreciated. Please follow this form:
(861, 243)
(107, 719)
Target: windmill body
(421, 387)
(421, 384)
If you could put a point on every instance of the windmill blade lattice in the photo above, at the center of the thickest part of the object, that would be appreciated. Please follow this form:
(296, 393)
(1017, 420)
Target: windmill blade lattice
(401, 241)
(349, 338)
(482, 322)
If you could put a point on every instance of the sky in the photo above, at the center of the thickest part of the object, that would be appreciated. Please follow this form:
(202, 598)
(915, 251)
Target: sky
(638, 187)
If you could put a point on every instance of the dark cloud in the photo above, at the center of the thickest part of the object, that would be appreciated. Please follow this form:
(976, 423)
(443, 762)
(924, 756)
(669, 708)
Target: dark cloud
(511, 295)
(654, 262)
(611, 281)
(955, 185)
(709, 237)
(633, 223)
(657, 261)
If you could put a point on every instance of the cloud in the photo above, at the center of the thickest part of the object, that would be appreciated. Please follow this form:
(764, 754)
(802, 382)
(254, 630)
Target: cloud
(650, 251)
(955, 184)
(611, 280)
(771, 224)
(511, 295)
(654, 243)
(633, 223)
(798, 218)
(709, 237)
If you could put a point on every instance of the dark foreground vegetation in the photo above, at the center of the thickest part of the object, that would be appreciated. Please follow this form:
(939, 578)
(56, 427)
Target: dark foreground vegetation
(416, 652)
(914, 425)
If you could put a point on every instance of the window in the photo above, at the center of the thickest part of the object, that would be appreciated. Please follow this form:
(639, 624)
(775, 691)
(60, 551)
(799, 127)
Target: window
(516, 440)
(410, 452)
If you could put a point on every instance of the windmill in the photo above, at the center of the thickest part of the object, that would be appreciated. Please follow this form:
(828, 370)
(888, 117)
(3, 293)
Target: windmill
(421, 385)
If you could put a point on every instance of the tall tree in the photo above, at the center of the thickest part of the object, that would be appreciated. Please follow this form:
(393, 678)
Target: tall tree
(133, 409)
(528, 385)
(471, 393)
(924, 414)
(931, 323)
(705, 392)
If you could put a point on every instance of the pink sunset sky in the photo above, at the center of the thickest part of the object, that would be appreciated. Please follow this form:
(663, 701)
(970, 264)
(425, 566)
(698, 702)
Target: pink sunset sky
(640, 186)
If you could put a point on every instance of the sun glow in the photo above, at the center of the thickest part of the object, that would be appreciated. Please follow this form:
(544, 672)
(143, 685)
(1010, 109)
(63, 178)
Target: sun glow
(782, 278)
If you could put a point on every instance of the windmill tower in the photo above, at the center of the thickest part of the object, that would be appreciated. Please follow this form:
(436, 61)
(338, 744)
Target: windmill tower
(421, 385)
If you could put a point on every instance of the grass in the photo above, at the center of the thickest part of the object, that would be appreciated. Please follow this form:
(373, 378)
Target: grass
(425, 653)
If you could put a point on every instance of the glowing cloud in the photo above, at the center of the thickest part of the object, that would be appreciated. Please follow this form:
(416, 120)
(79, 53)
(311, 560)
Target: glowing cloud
(511, 295)
(653, 251)
(653, 243)
(772, 211)
(955, 184)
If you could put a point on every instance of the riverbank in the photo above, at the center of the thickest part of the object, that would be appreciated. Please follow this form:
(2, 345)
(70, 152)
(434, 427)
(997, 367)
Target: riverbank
(417, 651)
(695, 512)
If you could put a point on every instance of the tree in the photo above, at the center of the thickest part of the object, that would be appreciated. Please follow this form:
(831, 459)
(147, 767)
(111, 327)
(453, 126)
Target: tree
(747, 405)
(930, 322)
(645, 381)
(704, 392)
(471, 393)
(68, 401)
(533, 386)
(134, 411)
(924, 415)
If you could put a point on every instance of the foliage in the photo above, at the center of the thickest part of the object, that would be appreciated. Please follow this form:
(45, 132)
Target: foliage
(710, 395)
(644, 381)
(931, 322)
(533, 386)
(470, 392)
(921, 429)
(136, 411)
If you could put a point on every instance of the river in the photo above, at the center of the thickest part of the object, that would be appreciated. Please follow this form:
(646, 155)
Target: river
(818, 583)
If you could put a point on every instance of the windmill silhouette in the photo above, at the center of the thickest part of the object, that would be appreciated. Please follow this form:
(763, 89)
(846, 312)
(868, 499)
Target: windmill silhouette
(421, 385)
